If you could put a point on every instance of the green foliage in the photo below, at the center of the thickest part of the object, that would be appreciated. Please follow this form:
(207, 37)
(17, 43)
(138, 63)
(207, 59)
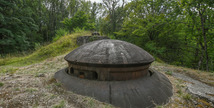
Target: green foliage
(159, 106)
(1, 84)
(63, 45)
(59, 33)
(25, 23)
(9, 70)
(199, 29)
(114, 15)
(111, 36)
(187, 96)
(78, 30)
(168, 72)
(177, 32)
(60, 105)
(16, 22)
(79, 20)
(151, 30)
(31, 90)
(154, 49)
(37, 46)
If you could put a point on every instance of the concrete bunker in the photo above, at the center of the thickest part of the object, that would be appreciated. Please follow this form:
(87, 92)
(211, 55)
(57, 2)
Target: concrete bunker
(116, 72)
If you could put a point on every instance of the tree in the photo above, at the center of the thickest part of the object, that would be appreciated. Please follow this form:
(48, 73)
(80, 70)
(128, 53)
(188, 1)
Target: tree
(200, 14)
(15, 22)
(113, 16)
(79, 20)
(146, 19)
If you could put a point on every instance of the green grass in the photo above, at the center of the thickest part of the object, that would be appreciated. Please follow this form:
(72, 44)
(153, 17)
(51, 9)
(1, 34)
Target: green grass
(63, 45)
(1, 84)
(8, 70)
(31, 90)
(60, 105)
(168, 72)
(187, 97)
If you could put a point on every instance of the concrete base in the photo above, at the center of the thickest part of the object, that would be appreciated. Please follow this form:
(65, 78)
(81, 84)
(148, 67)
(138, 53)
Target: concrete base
(149, 91)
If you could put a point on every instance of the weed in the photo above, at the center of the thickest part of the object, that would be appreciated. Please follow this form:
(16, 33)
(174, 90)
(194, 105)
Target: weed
(211, 74)
(59, 33)
(179, 92)
(159, 106)
(35, 105)
(1, 84)
(168, 72)
(37, 46)
(40, 75)
(187, 97)
(180, 81)
(58, 84)
(91, 103)
(204, 102)
(1, 101)
(16, 89)
(60, 105)
(8, 70)
(31, 90)
(111, 36)
(51, 80)
(109, 106)
(52, 96)
(184, 70)
(78, 30)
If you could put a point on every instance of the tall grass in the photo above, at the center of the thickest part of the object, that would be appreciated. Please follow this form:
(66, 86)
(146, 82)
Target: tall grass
(63, 45)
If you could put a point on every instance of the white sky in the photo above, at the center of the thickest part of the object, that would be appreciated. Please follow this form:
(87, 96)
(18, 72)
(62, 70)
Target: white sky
(98, 1)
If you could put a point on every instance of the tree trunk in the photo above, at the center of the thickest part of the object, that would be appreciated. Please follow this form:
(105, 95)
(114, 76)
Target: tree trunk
(196, 52)
(204, 37)
(202, 53)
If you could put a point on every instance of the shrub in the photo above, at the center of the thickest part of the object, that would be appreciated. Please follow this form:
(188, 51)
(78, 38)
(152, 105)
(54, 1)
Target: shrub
(154, 48)
(168, 72)
(78, 30)
(79, 20)
(60, 105)
(59, 33)
(187, 97)
(37, 46)
(1, 84)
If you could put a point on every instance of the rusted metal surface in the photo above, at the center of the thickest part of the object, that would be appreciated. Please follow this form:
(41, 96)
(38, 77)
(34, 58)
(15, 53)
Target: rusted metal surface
(108, 73)
(145, 92)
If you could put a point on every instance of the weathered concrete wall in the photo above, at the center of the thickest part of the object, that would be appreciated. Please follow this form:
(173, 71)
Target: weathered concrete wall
(146, 92)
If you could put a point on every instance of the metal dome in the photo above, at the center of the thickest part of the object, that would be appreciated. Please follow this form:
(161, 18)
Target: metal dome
(109, 52)
(115, 72)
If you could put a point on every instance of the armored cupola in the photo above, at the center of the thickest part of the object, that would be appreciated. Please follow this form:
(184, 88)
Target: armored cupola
(115, 72)
(109, 60)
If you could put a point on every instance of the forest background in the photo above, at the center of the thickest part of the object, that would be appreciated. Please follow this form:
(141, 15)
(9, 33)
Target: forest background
(179, 32)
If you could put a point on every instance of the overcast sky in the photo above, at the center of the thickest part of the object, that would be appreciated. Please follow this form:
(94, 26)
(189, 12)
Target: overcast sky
(98, 1)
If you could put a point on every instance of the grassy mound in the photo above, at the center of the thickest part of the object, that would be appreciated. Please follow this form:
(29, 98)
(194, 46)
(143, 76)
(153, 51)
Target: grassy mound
(61, 46)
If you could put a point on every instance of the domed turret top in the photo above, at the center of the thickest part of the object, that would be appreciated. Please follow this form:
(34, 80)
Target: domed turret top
(109, 52)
